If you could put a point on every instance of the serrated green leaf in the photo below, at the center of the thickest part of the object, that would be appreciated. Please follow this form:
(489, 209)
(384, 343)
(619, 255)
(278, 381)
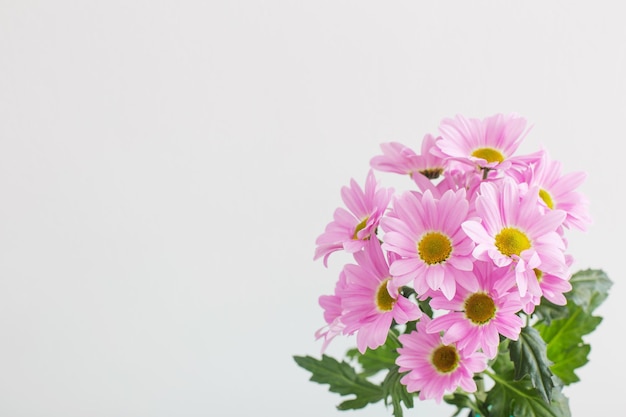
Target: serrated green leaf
(342, 379)
(569, 361)
(589, 289)
(559, 407)
(529, 357)
(519, 398)
(565, 344)
(395, 392)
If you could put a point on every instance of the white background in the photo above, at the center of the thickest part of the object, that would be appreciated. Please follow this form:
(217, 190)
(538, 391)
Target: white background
(165, 168)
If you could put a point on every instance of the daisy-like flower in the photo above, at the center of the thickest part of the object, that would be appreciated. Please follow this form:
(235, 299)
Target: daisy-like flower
(350, 230)
(400, 159)
(396, 158)
(477, 318)
(552, 289)
(332, 314)
(435, 368)
(515, 231)
(487, 143)
(435, 253)
(558, 191)
(455, 179)
(369, 300)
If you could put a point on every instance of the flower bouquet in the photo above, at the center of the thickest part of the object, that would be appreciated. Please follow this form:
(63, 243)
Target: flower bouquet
(460, 289)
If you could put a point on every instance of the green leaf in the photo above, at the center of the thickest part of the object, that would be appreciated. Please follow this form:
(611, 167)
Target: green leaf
(558, 407)
(567, 363)
(529, 357)
(589, 289)
(342, 379)
(519, 398)
(396, 393)
(565, 344)
(566, 348)
(510, 397)
(462, 401)
(425, 307)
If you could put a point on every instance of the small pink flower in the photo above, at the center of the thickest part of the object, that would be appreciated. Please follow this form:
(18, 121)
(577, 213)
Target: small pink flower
(350, 230)
(558, 191)
(552, 289)
(477, 318)
(435, 253)
(455, 180)
(332, 314)
(487, 143)
(435, 368)
(515, 231)
(396, 158)
(400, 159)
(368, 300)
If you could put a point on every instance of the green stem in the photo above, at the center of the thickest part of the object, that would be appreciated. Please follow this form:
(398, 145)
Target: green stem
(394, 337)
(480, 394)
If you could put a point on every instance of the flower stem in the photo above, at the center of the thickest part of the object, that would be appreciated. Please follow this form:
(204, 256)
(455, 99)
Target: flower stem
(480, 394)
(394, 337)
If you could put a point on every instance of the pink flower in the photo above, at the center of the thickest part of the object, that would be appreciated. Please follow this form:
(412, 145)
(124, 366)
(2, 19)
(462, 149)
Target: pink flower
(515, 231)
(552, 289)
(351, 229)
(455, 180)
(435, 253)
(396, 158)
(558, 191)
(332, 314)
(435, 368)
(400, 159)
(369, 302)
(477, 318)
(487, 143)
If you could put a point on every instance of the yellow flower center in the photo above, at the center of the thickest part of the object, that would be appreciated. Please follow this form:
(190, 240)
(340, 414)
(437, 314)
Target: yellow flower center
(434, 248)
(480, 308)
(547, 198)
(488, 154)
(359, 227)
(384, 301)
(445, 359)
(511, 241)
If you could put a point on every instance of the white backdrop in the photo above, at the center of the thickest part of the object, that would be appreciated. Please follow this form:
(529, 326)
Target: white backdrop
(165, 167)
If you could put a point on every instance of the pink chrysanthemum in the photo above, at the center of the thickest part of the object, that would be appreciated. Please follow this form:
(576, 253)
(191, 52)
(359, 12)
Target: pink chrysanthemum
(369, 302)
(487, 143)
(396, 158)
(332, 314)
(426, 233)
(514, 230)
(400, 159)
(558, 191)
(476, 319)
(454, 179)
(435, 368)
(552, 287)
(350, 230)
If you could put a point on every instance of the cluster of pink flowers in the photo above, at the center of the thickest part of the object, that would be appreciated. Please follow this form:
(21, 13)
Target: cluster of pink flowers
(481, 235)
